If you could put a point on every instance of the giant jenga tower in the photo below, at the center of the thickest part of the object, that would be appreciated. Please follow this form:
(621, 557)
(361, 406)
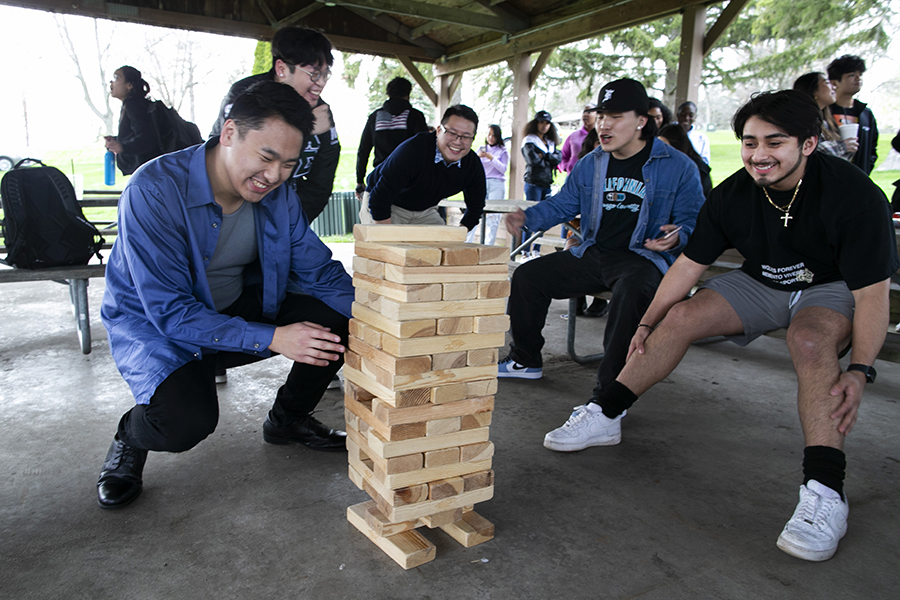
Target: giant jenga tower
(420, 375)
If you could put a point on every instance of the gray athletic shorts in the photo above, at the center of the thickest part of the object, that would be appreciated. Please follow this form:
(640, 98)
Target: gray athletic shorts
(763, 309)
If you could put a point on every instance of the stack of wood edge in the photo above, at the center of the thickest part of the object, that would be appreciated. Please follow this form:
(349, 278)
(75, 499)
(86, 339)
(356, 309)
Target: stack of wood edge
(421, 372)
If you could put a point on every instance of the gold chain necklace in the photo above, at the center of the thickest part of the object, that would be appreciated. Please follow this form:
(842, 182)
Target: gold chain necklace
(785, 209)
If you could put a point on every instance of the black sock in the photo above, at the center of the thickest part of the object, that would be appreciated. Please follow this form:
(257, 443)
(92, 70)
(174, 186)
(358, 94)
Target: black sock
(826, 465)
(615, 399)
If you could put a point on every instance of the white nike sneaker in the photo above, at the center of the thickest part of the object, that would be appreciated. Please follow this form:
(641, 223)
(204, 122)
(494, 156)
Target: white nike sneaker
(818, 524)
(586, 427)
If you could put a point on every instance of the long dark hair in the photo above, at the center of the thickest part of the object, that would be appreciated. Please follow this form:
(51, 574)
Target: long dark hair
(808, 84)
(139, 87)
(531, 128)
(498, 135)
(678, 139)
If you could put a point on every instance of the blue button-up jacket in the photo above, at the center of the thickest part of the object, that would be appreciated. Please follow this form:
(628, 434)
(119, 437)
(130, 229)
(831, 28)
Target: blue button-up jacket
(673, 195)
(158, 308)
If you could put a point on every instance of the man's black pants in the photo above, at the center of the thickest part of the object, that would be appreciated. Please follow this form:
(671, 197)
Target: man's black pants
(184, 410)
(632, 279)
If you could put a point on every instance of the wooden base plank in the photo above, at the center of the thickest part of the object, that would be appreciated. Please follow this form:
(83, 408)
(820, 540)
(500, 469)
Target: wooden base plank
(408, 549)
(471, 530)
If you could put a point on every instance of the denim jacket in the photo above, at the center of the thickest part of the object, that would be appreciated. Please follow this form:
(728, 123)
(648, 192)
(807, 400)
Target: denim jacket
(673, 195)
(158, 308)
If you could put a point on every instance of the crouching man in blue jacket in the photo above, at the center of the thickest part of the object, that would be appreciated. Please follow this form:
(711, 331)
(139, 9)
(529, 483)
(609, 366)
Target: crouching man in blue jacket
(197, 280)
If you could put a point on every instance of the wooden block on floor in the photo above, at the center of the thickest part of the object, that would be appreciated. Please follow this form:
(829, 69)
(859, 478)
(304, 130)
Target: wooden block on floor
(471, 530)
(491, 324)
(478, 480)
(408, 233)
(464, 290)
(392, 364)
(443, 394)
(417, 311)
(476, 452)
(440, 458)
(457, 325)
(405, 329)
(450, 360)
(390, 415)
(409, 549)
(412, 255)
(482, 356)
(413, 275)
(481, 419)
(493, 289)
(487, 387)
(425, 292)
(442, 518)
(418, 346)
(445, 488)
(442, 426)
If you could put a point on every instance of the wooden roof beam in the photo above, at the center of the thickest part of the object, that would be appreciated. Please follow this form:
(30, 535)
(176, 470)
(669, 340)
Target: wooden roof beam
(397, 28)
(420, 79)
(725, 19)
(430, 12)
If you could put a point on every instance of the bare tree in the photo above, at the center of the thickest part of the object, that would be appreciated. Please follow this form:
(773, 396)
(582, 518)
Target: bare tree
(175, 79)
(100, 108)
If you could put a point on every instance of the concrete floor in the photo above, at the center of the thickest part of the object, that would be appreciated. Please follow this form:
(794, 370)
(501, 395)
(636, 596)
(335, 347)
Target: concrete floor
(688, 506)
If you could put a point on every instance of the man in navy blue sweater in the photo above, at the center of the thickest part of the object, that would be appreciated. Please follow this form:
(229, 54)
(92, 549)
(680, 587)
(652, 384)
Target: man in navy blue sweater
(423, 170)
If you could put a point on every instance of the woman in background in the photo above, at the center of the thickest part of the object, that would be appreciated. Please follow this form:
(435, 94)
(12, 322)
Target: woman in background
(541, 155)
(816, 86)
(137, 140)
(675, 136)
(494, 159)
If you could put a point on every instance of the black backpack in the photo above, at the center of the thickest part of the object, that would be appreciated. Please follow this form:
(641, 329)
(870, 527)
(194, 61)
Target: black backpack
(42, 220)
(172, 132)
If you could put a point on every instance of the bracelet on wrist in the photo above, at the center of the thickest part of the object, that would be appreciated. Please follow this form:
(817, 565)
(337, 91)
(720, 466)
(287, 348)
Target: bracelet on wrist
(645, 325)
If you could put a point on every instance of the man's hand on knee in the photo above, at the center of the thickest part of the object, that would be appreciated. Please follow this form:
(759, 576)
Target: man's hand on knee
(850, 386)
(637, 342)
(308, 343)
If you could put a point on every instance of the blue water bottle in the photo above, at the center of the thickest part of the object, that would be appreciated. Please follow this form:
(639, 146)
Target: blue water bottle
(109, 168)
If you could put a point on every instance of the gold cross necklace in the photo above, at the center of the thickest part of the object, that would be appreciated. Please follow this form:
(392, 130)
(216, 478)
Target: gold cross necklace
(785, 209)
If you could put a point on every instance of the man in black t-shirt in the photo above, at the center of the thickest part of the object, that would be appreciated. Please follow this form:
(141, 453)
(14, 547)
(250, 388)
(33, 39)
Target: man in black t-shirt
(638, 200)
(819, 247)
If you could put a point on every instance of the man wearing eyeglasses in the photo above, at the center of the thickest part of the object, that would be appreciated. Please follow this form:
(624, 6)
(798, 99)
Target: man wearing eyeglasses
(301, 58)
(423, 170)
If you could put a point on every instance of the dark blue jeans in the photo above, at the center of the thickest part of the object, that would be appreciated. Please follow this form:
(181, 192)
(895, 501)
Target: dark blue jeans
(632, 279)
(184, 410)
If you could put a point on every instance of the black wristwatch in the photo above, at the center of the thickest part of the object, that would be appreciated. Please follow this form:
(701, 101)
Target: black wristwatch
(869, 372)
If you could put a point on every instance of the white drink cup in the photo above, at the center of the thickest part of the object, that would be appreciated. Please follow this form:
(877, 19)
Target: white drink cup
(849, 130)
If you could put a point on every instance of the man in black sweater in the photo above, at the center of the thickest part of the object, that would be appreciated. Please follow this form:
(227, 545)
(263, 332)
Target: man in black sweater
(388, 127)
(301, 58)
(406, 188)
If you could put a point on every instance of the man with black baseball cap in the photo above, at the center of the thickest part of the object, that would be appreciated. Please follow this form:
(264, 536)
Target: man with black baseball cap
(633, 226)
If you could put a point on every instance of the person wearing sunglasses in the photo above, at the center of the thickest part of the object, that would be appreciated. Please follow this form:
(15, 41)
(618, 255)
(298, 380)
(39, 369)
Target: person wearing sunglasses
(301, 58)
(428, 167)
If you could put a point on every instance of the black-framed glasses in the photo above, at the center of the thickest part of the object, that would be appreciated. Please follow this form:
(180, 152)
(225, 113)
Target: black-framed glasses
(464, 138)
(314, 76)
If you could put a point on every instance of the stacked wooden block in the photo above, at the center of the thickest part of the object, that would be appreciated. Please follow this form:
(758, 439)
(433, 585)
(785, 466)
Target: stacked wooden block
(420, 376)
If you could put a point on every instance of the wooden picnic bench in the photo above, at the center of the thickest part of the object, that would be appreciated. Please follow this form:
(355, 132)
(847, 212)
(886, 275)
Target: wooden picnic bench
(77, 277)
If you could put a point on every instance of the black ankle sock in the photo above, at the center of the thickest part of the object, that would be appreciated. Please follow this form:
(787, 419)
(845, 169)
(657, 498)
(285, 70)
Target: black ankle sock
(615, 399)
(826, 465)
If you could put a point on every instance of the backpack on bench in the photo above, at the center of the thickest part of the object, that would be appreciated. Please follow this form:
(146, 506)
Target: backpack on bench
(42, 220)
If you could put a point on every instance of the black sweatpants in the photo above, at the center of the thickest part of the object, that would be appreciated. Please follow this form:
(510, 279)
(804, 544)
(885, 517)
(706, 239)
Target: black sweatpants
(631, 278)
(184, 410)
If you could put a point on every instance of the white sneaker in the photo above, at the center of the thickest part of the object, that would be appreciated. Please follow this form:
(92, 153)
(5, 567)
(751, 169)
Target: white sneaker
(818, 524)
(586, 427)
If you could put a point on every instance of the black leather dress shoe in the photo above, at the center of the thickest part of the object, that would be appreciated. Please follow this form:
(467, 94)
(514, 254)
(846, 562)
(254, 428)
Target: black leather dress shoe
(121, 478)
(597, 309)
(309, 432)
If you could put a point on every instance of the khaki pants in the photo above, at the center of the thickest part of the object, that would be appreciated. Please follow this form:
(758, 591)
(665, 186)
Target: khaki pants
(401, 216)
